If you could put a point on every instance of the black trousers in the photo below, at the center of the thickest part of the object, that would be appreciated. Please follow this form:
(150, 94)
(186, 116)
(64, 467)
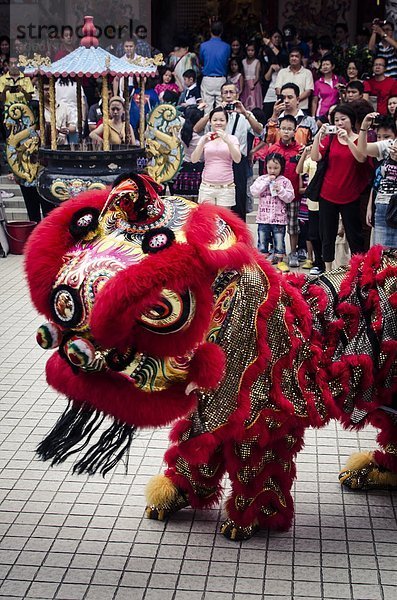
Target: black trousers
(329, 219)
(314, 237)
(34, 202)
(240, 171)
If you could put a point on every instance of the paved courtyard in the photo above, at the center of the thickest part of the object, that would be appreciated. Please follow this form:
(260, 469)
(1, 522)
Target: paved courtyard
(85, 538)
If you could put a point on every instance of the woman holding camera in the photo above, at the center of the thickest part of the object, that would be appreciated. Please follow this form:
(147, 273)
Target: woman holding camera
(346, 177)
(220, 150)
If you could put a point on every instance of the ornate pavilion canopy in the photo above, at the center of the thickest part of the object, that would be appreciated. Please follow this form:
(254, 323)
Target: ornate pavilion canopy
(89, 60)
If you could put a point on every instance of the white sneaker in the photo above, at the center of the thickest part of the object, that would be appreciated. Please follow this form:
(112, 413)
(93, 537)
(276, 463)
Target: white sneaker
(293, 260)
(316, 271)
(5, 194)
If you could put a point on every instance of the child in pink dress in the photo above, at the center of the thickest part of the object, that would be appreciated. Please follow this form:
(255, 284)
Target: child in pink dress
(235, 74)
(167, 83)
(274, 191)
(252, 92)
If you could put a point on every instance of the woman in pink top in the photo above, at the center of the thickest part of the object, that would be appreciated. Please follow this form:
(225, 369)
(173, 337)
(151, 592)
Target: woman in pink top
(220, 150)
(327, 88)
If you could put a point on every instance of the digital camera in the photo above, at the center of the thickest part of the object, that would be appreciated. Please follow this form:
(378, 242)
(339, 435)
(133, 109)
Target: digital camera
(331, 128)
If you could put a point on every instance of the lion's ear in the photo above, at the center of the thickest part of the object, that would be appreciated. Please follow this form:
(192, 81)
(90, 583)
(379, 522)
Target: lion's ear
(221, 238)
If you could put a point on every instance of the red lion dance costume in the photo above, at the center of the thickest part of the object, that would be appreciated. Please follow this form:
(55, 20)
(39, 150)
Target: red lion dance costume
(162, 310)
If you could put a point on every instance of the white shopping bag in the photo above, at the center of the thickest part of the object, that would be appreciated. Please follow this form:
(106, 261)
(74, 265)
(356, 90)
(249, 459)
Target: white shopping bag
(5, 248)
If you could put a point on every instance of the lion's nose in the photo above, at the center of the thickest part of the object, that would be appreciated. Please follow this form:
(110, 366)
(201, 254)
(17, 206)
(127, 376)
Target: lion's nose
(80, 352)
(49, 335)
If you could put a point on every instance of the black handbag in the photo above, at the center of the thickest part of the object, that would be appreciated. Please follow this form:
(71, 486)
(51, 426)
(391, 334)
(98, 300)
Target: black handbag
(314, 188)
(391, 212)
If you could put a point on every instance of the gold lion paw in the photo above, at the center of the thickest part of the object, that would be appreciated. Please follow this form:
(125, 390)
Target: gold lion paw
(369, 477)
(235, 532)
(162, 512)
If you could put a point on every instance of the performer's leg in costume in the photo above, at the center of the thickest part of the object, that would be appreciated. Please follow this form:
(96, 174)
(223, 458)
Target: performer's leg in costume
(261, 479)
(193, 477)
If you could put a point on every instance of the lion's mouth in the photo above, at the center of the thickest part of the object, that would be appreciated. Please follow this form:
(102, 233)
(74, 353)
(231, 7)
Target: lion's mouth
(148, 373)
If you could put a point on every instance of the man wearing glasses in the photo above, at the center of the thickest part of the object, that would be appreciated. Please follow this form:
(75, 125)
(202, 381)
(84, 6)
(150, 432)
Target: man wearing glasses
(386, 47)
(288, 104)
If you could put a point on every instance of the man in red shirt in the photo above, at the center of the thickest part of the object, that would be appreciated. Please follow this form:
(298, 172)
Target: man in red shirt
(380, 85)
(290, 149)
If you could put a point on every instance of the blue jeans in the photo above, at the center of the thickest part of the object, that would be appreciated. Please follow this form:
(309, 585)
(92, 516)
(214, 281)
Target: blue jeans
(383, 235)
(271, 234)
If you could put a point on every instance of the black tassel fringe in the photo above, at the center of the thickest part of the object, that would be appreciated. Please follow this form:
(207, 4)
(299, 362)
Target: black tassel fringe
(73, 432)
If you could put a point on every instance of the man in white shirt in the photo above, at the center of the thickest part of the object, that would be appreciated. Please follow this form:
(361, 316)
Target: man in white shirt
(129, 54)
(298, 74)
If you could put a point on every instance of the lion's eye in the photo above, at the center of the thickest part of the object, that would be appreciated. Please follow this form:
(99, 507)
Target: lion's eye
(84, 221)
(173, 312)
(157, 239)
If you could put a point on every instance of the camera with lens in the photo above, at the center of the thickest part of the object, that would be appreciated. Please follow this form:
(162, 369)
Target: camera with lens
(229, 107)
(331, 128)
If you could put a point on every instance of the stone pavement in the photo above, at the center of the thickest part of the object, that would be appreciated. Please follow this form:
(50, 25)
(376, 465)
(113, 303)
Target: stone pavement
(85, 538)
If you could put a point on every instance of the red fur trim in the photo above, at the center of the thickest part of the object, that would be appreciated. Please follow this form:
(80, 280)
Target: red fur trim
(246, 517)
(195, 501)
(207, 367)
(387, 272)
(197, 450)
(386, 460)
(334, 330)
(117, 396)
(350, 280)
(351, 315)
(132, 292)
(302, 317)
(373, 305)
(387, 434)
(49, 242)
(200, 231)
(179, 428)
(318, 293)
(371, 264)
(389, 349)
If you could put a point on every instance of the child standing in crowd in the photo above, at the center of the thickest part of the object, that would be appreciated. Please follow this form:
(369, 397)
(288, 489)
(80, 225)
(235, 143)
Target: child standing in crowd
(290, 150)
(235, 74)
(167, 83)
(191, 90)
(252, 92)
(274, 191)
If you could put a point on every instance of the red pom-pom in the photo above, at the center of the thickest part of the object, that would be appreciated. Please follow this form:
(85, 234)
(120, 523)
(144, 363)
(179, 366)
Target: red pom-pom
(207, 367)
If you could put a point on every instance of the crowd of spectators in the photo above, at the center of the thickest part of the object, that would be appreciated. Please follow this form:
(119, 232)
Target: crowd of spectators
(281, 100)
